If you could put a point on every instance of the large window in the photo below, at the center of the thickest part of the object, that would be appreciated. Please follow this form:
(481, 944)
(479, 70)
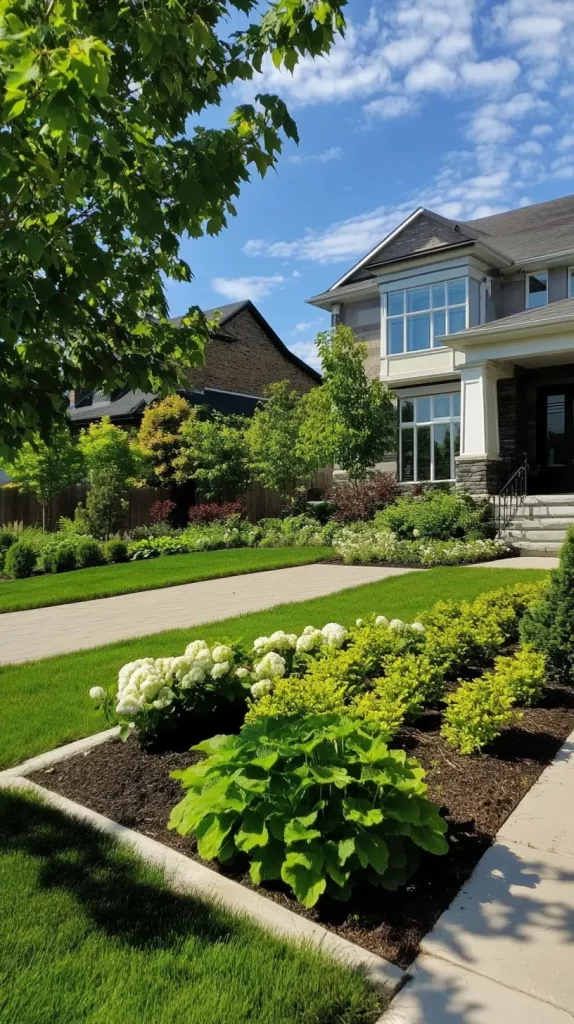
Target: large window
(418, 317)
(429, 437)
(536, 289)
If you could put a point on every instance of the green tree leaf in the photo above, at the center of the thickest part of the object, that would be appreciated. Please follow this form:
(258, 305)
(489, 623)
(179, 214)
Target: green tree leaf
(362, 812)
(212, 832)
(253, 831)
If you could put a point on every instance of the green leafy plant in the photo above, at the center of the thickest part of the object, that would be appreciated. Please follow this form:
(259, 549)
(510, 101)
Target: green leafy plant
(437, 515)
(160, 437)
(7, 539)
(106, 507)
(319, 802)
(89, 553)
(45, 466)
(549, 625)
(115, 551)
(106, 164)
(273, 436)
(214, 452)
(59, 556)
(20, 560)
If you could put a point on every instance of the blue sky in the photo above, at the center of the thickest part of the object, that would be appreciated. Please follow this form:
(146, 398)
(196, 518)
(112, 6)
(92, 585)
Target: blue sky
(462, 106)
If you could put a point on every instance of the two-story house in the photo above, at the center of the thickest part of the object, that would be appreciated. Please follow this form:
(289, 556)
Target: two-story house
(471, 323)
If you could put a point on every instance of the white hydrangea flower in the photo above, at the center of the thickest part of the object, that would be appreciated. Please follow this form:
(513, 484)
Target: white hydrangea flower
(126, 708)
(221, 654)
(262, 687)
(260, 644)
(416, 533)
(220, 669)
(396, 624)
(242, 673)
(195, 675)
(381, 620)
(417, 627)
(164, 698)
(359, 622)
(98, 693)
(197, 649)
(334, 634)
(281, 641)
(151, 686)
(310, 639)
(271, 666)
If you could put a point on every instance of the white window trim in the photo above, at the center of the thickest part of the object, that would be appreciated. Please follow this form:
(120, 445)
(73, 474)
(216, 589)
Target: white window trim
(430, 312)
(440, 421)
(527, 290)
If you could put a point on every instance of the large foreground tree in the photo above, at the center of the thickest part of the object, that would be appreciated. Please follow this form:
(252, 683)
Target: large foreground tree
(101, 173)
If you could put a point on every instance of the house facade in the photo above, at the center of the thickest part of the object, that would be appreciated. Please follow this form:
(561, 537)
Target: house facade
(472, 326)
(244, 356)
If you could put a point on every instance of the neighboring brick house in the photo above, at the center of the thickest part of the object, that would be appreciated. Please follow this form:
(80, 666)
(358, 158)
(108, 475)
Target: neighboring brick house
(244, 356)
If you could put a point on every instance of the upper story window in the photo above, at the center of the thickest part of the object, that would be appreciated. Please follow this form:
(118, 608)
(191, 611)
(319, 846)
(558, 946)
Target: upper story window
(417, 317)
(537, 289)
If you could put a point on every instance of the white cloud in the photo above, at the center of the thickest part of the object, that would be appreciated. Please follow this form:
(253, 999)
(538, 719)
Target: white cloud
(566, 142)
(485, 129)
(534, 27)
(389, 107)
(529, 147)
(326, 157)
(453, 45)
(541, 129)
(501, 71)
(239, 288)
(402, 52)
(430, 76)
(307, 351)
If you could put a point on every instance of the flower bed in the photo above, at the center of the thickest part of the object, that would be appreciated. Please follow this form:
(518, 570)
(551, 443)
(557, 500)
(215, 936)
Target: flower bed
(321, 798)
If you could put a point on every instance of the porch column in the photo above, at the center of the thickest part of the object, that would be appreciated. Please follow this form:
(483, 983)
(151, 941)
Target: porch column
(478, 465)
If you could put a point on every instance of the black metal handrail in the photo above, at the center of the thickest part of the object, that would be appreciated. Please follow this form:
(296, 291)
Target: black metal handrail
(510, 498)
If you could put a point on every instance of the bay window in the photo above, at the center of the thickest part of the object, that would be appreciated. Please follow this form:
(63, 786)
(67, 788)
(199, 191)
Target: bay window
(429, 437)
(418, 317)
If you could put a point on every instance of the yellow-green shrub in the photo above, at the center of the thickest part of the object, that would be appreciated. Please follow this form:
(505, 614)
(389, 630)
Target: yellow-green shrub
(313, 694)
(523, 674)
(409, 683)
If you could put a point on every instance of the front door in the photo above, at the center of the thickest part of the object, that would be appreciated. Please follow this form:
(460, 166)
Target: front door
(556, 439)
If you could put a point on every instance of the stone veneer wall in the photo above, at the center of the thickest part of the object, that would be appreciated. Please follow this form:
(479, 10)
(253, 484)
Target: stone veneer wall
(478, 476)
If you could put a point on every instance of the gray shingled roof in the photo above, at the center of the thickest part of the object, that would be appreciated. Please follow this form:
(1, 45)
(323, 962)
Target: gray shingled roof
(532, 231)
(126, 405)
(226, 311)
(554, 312)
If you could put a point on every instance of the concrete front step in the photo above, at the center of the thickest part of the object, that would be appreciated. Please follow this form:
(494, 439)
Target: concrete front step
(516, 533)
(540, 523)
(549, 499)
(536, 547)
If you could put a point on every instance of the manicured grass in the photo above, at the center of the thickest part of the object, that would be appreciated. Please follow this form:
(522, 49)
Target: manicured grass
(46, 703)
(89, 934)
(167, 571)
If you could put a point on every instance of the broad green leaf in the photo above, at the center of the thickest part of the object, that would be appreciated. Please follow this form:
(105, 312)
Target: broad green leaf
(346, 849)
(296, 832)
(253, 831)
(305, 875)
(373, 849)
(212, 832)
(333, 864)
(433, 842)
(331, 775)
(362, 812)
(266, 863)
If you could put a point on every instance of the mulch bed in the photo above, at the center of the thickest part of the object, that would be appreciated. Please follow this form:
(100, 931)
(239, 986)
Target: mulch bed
(476, 794)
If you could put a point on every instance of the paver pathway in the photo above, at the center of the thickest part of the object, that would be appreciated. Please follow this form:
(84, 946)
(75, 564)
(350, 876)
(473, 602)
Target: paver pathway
(504, 950)
(41, 632)
(520, 562)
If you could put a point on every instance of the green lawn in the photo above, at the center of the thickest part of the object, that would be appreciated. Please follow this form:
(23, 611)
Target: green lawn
(168, 571)
(87, 933)
(46, 703)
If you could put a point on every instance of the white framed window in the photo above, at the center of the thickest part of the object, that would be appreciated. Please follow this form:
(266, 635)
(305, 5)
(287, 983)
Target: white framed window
(571, 282)
(417, 317)
(429, 437)
(537, 289)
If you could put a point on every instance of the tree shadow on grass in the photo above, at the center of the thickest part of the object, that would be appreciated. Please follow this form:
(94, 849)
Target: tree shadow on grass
(123, 898)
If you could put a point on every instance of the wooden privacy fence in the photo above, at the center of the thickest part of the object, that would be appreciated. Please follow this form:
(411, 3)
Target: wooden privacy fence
(17, 507)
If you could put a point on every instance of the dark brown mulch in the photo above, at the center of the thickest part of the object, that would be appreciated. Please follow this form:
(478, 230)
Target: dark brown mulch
(475, 793)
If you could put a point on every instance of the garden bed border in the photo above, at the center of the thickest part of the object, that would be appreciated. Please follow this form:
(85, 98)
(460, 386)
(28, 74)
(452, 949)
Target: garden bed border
(185, 875)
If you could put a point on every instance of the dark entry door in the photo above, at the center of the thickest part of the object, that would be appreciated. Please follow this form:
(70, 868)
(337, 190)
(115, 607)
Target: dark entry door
(556, 439)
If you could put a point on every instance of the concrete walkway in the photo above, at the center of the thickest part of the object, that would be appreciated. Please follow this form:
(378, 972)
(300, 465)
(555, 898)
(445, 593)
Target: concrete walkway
(42, 632)
(520, 562)
(504, 950)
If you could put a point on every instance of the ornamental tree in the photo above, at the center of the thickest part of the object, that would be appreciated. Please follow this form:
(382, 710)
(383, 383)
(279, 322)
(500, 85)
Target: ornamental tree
(214, 452)
(45, 468)
(102, 171)
(350, 419)
(277, 459)
(160, 437)
(103, 444)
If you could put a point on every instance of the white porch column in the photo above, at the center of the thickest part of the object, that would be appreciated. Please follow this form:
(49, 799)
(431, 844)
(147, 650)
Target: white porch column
(479, 411)
(478, 465)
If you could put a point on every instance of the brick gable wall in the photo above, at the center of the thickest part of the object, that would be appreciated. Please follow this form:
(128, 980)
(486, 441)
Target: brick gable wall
(250, 362)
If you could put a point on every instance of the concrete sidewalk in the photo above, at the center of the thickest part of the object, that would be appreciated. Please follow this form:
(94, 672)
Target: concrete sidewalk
(520, 562)
(504, 950)
(42, 632)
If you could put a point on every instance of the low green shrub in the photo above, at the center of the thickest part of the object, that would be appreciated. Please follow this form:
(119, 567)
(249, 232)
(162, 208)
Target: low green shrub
(89, 553)
(319, 802)
(296, 531)
(480, 709)
(115, 551)
(7, 539)
(155, 546)
(436, 515)
(549, 625)
(20, 560)
(365, 543)
(60, 557)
